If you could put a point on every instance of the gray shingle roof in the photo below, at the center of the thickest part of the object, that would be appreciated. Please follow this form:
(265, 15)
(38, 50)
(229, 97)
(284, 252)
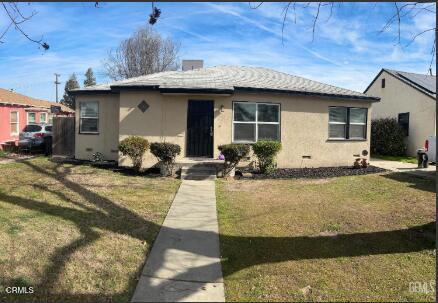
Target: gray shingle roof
(425, 83)
(230, 79)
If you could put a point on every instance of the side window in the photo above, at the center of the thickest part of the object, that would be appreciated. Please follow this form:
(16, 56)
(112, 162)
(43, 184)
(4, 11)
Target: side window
(347, 122)
(43, 117)
(89, 117)
(31, 118)
(14, 123)
(403, 121)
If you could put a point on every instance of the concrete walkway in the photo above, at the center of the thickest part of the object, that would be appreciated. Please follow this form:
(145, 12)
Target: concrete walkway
(408, 168)
(184, 263)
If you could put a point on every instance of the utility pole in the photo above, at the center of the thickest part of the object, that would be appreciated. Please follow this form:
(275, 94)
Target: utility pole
(56, 85)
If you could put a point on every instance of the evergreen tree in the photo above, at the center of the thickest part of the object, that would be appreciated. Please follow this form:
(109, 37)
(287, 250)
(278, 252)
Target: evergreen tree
(67, 99)
(89, 78)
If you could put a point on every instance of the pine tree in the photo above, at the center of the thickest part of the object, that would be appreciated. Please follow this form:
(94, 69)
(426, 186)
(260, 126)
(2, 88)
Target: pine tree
(67, 99)
(89, 78)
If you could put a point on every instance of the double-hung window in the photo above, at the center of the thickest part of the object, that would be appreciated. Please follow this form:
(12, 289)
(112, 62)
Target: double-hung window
(89, 117)
(14, 123)
(43, 117)
(255, 121)
(347, 122)
(31, 118)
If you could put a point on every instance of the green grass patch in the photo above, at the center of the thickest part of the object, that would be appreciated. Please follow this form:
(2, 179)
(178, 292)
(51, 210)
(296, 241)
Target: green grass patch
(355, 238)
(76, 233)
(3, 154)
(404, 159)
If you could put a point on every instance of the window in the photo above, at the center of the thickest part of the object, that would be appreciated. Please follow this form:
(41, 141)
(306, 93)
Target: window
(347, 123)
(43, 117)
(89, 117)
(255, 121)
(48, 128)
(50, 119)
(383, 83)
(14, 123)
(31, 118)
(403, 121)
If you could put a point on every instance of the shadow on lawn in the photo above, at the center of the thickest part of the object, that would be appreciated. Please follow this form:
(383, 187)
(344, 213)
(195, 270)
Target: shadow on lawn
(250, 250)
(414, 181)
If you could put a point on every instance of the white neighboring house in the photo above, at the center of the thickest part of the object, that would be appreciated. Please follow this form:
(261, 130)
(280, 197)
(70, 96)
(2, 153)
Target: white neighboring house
(411, 99)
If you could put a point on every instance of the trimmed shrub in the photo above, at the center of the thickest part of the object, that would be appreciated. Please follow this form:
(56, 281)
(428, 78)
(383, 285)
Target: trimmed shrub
(166, 154)
(265, 152)
(134, 147)
(233, 153)
(387, 138)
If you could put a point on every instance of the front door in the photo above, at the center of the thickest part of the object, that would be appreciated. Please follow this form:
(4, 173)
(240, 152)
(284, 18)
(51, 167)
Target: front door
(200, 128)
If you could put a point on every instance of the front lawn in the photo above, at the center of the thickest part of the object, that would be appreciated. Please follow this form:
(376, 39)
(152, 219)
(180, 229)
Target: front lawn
(404, 159)
(353, 238)
(75, 232)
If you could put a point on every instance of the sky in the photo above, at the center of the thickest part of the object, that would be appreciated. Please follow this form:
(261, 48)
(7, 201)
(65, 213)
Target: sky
(347, 50)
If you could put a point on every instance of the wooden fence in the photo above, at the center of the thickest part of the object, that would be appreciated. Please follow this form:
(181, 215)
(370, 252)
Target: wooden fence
(63, 143)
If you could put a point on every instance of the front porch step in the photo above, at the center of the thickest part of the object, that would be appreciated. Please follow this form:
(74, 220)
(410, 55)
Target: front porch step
(198, 172)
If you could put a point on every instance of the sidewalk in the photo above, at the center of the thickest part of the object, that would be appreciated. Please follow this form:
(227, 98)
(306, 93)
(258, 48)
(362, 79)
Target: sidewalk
(401, 167)
(184, 263)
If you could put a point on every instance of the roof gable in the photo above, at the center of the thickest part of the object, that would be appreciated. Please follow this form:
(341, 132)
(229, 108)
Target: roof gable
(424, 83)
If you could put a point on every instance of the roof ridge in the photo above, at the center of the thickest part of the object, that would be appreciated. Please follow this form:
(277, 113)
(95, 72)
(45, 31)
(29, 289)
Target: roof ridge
(399, 71)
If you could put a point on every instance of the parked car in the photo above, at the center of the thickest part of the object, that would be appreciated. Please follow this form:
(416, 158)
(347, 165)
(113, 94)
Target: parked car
(430, 147)
(36, 136)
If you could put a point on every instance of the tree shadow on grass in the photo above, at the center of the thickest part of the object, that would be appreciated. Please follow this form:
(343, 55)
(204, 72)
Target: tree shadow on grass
(240, 251)
(414, 181)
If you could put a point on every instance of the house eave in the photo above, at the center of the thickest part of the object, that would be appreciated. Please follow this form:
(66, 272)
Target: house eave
(308, 94)
(116, 89)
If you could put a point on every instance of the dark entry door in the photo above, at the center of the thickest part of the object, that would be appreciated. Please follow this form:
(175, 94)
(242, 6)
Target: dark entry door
(200, 129)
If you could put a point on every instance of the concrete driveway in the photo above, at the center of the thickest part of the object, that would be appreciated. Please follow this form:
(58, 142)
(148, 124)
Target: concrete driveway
(401, 167)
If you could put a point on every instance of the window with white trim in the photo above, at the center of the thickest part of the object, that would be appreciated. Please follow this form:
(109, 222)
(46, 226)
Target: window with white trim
(14, 123)
(31, 118)
(347, 122)
(43, 117)
(89, 117)
(255, 121)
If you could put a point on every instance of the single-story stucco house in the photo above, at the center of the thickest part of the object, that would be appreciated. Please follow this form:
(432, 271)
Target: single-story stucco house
(411, 99)
(318, 124)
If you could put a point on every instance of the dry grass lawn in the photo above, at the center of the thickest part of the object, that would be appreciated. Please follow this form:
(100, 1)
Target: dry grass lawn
(76, 233)
(358, 238)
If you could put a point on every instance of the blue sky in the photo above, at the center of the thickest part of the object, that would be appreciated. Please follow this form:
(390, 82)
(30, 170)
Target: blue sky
(347, 51)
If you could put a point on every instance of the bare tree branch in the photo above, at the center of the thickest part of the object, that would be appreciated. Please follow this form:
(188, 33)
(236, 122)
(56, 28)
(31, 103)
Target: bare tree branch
(314, 21)
(433, 54)
(285, 10)
(419, 34)
(14, 14)
(399, 22)
(255, 7)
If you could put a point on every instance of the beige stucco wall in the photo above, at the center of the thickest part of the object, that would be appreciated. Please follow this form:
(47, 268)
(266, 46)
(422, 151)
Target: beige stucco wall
(304, 130)
(304, 125)
(398, 97)
(106, 142)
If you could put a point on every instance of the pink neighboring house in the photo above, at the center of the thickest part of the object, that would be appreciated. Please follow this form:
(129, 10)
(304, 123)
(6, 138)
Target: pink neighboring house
(17, 110)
